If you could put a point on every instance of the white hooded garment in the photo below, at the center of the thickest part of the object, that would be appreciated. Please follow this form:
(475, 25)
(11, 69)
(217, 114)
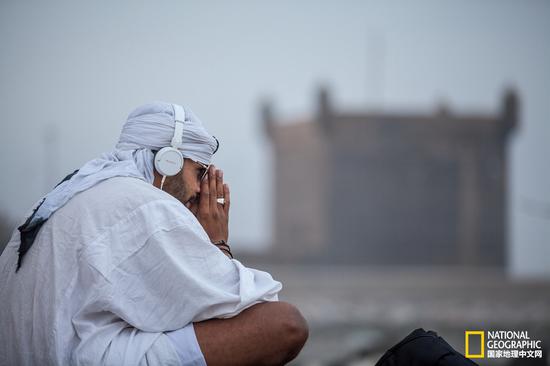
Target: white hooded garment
(111, 270)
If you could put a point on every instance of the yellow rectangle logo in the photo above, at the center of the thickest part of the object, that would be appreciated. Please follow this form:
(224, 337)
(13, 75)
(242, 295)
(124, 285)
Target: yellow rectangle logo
(467, 335)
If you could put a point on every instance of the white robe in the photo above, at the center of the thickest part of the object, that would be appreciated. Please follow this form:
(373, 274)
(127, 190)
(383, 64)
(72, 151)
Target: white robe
(111, 271)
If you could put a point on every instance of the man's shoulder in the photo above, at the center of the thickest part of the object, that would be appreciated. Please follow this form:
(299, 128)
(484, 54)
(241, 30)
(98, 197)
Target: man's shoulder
(126, 188)
(119, 196)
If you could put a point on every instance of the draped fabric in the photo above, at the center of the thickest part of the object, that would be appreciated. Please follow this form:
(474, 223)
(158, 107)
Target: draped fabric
(114, 270)
(148, 128)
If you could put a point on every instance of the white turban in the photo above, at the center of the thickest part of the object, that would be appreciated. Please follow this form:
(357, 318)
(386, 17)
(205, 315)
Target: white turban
(151, 126)
(148, 128)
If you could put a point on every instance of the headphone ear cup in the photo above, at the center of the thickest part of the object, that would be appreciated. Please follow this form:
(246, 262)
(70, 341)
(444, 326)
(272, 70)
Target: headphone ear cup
(168, 161)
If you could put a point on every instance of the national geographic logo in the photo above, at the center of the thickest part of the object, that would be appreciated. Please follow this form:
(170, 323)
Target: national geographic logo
(475, 338)
(501, 344)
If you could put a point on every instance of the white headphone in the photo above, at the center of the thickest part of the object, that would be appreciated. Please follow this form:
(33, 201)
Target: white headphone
(169, 160)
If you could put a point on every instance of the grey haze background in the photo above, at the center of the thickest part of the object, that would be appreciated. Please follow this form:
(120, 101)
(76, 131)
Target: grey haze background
(70, 72)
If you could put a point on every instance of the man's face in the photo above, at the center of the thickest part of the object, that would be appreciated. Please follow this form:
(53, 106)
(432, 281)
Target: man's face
(185, 186)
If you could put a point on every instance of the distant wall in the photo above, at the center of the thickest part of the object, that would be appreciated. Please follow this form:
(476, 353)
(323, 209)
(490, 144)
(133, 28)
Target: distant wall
(392, 188)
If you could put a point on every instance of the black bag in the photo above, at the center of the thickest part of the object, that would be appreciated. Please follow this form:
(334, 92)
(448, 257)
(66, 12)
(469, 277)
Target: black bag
(421, 348)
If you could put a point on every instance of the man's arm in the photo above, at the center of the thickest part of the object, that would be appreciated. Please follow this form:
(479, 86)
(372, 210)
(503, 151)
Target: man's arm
(271, 333)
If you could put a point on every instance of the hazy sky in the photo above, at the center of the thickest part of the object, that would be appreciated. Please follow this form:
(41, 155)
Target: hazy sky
(70, 72)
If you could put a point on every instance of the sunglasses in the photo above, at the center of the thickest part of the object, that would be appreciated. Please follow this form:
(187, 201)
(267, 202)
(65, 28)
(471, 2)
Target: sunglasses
(202, 171)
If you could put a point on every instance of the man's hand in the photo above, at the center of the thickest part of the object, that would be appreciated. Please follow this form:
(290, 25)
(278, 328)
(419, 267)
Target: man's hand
(214, 216)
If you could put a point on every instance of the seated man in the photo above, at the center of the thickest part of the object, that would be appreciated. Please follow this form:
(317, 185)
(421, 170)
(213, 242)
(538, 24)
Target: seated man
(127, 262)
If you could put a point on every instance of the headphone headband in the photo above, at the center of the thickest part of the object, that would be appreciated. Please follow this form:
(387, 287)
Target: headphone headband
(169, 160)
(179, 120)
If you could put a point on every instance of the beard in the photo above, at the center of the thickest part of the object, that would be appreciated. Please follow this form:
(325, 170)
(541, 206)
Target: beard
(175, 186)
(194, 200)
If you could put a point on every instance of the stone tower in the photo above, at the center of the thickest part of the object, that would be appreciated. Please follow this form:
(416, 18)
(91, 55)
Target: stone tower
(392, 188)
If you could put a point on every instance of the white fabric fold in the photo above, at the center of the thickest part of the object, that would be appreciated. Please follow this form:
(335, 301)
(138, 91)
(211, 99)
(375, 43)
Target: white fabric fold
(149, 127)
(110, 273)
